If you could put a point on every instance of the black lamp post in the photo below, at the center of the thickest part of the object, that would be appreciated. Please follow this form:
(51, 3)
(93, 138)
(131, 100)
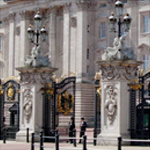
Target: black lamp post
(37, 32)
(113, 20)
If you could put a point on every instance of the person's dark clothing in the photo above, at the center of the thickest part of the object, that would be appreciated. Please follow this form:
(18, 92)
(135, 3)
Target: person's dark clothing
(71, 128)
(82, 129)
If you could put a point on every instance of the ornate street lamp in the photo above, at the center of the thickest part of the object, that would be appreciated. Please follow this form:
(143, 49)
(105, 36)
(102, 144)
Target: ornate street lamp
(37, 59)
(113, 20)
(37, 32)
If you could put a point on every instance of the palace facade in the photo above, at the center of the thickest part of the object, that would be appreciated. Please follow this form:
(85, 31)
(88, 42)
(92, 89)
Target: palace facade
(78, 34)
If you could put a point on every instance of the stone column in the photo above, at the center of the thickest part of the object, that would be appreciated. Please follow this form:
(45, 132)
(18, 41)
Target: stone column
(52, 35)
(17, 49)
(73, 39)
(84, 89)
(24, 46)
(115, 103)
(81, 62)
(31, 101)
(6, 46)
(66, 37)
(11, 43)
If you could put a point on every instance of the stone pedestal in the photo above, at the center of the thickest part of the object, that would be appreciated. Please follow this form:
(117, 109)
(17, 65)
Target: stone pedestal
(31, 101)
(115, 104)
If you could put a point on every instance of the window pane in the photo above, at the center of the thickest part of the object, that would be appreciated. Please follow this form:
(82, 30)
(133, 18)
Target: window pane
(145, 23)
(103, 30)
(146, 62)
(87, 56)
(0, 43)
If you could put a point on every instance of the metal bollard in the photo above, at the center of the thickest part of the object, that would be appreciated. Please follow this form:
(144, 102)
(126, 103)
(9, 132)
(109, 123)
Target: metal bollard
(84, 142)
(95, 136)
(57, 142)
(32, 141)
(119, 143)
(41, 141)
(4, 135)
(27, 138)
(74, 135)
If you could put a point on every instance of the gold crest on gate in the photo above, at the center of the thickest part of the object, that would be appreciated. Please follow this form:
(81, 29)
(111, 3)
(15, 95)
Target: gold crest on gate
(65, 103)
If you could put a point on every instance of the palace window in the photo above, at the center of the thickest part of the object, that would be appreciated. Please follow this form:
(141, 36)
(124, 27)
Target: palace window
(146, 62)
(103, 5)
(88, 29)
(103, 30)
(88, 54)
(145, 24)
(0, 43)
(87, 69)
(124, 1)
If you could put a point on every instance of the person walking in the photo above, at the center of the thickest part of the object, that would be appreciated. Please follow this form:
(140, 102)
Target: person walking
(71, 128)
(83, 126)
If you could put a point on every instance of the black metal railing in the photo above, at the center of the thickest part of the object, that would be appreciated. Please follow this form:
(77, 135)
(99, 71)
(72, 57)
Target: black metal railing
(57, 138)
(6, 133)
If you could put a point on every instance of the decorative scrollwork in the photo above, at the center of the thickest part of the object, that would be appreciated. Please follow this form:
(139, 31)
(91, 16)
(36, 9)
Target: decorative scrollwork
(119, 70)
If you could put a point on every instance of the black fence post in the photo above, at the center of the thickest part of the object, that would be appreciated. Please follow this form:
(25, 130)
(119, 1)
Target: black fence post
(41, 141)
(4, 135)
(84, 142)
(74, 140)
(56, 132)
(119, 143)
(57, 142)
(27, 138)
(32, 141)
(95, 136)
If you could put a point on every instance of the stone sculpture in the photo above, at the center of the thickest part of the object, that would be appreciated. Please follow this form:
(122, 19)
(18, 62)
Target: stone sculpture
(37, 59)
(119, 51)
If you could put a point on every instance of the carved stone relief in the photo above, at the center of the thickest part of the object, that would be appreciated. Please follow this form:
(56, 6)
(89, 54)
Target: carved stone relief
(27, 105)
(73, 21)
(111, 103)
(118, 72)
(35, 78)
(17, 30)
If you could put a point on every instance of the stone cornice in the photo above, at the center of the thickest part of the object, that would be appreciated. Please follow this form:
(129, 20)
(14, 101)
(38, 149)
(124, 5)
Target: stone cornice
(86, 5)
(26, 14)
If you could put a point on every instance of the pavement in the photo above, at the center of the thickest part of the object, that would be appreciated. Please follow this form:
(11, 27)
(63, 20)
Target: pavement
(13, 145)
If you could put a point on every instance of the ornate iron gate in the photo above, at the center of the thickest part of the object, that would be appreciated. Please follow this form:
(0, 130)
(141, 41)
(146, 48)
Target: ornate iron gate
(9, 108)
(140, 108)
(58, 98)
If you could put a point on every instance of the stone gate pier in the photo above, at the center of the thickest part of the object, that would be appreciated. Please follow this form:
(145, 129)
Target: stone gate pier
(31, 101)
(115, 112)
